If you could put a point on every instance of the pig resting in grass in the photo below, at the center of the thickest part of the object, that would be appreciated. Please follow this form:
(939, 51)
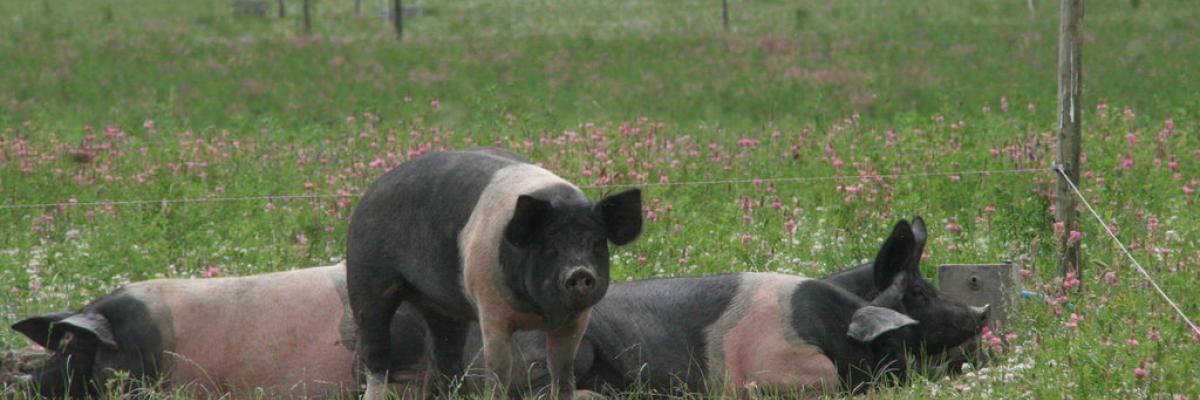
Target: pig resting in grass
(758, 330)
(284, 334)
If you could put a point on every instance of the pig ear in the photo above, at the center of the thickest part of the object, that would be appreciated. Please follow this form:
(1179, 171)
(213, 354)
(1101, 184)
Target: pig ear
(622, 216)
(894, 256)
(48, 330)
(37, 328)
(919, 232)
(869, 322)
(90, 325)
(919, 236)
(528, 219)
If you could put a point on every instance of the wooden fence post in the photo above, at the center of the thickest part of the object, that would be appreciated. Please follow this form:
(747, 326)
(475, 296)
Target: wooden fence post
(282, 13)
(398, 18)
(307, 17)
(725, 14)
(1070, 45)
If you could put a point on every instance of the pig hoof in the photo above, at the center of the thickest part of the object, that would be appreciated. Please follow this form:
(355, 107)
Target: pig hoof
(586, 395)
(376, 387)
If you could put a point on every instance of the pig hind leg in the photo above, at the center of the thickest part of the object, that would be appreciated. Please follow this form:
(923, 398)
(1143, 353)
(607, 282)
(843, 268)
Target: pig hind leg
(374, 299)
(446, 340)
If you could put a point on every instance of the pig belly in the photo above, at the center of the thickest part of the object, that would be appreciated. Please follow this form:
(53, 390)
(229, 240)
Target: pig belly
(281, 338)
(290, 364)
(782, 366)
(760, 352)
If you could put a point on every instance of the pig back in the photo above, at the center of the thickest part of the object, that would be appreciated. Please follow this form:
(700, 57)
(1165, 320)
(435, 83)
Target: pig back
(289, 333)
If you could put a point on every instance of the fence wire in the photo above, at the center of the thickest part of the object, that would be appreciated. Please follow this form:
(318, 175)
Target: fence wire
(1124, 249)
(791, 179)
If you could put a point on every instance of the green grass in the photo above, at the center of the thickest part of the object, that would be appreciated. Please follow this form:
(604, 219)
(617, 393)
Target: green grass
(248, 106)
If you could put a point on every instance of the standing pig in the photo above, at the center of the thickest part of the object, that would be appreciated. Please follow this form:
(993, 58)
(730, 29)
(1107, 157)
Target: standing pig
(481, 235)
(288, 333)
(768, 330)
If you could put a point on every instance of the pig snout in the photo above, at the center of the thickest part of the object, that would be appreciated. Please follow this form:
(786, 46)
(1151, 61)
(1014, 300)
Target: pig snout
(973, 320)
(579, 283)
(982, 312)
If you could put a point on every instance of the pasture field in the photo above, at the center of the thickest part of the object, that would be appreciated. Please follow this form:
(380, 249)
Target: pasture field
(108, 101)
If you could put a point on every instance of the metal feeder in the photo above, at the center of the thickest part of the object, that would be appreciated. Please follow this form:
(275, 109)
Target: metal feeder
(979, 284)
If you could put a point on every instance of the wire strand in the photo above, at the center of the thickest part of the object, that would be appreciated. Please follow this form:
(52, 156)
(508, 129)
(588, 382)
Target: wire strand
(174, 201)
(828, 178)
(1136, 265)
(657, 184)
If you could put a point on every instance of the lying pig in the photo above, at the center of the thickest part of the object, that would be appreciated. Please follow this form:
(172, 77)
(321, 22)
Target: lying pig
(767, 330)
(860, 280)
(287, 333)
(481, 235)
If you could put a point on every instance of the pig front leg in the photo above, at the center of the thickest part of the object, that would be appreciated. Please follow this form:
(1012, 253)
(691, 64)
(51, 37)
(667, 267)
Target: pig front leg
(497, 354)
(561, 345)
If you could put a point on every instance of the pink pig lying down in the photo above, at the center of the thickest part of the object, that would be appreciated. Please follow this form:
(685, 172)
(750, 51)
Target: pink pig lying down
(283, 334)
